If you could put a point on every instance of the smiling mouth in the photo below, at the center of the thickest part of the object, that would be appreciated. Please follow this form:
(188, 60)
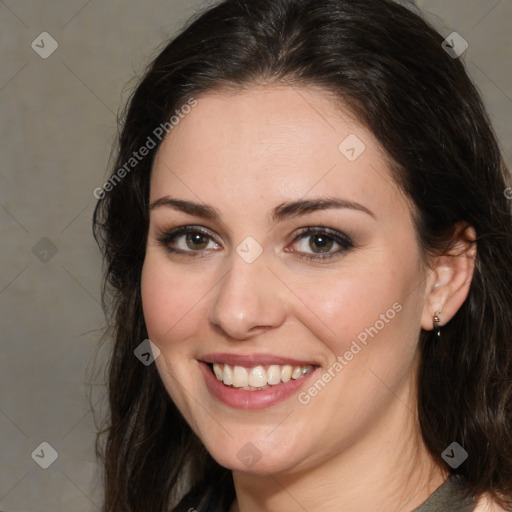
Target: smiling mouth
(258, 378)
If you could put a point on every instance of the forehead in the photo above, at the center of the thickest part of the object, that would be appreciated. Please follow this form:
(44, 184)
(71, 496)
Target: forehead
(272, 143)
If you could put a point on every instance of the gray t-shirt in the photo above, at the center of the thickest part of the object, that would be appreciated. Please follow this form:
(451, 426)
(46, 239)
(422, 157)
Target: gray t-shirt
(448, 498)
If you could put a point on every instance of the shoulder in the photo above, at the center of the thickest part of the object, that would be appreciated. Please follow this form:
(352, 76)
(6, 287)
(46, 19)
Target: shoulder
(486, 504)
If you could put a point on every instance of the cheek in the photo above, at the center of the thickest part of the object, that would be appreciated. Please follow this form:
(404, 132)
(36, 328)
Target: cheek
(171, 303)
(373, 302)
(344, 302)
(170, 300)
(369, 321)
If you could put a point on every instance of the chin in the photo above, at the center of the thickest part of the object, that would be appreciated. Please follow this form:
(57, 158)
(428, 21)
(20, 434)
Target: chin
(250, 457)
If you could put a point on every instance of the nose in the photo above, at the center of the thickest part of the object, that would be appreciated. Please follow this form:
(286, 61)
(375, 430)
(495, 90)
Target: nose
(248, 300)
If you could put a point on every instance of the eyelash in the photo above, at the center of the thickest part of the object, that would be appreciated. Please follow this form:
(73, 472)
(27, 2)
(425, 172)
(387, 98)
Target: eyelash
(343, 240)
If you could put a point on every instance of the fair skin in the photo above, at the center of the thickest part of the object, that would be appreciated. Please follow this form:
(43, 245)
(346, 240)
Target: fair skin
(243, 154)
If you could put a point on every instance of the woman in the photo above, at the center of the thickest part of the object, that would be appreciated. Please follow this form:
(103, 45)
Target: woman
(308, 218)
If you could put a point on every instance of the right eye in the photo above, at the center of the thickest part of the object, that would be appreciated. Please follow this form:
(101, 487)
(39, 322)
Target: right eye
(188, 240)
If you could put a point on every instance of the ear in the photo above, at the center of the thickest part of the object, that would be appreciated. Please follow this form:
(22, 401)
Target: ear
(450, 277)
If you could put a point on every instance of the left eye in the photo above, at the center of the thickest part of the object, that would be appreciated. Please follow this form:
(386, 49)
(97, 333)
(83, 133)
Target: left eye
(318, 243)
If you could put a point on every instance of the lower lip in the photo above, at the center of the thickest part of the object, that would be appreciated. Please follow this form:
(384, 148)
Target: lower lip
(243, 399)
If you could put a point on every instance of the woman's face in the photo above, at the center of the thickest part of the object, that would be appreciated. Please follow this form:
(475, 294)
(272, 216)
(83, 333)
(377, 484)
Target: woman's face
(279, 243)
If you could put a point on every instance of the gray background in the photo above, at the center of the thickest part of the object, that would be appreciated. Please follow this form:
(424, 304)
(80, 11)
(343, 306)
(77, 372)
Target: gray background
(58, 123)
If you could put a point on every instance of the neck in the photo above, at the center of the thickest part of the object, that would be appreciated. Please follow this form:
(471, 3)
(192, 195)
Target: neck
(388, 470)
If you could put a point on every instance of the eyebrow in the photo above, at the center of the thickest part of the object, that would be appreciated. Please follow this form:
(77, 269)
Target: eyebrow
(281, 212)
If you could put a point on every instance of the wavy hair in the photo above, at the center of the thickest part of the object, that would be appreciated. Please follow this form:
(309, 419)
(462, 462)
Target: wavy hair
(388, 67)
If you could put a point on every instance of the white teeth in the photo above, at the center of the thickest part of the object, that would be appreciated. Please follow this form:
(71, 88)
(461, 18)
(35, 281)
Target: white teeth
(286, 373)
(227, 375)
(257, 378)
(218, 371)
(297, 372)
(240, 377)
(274, 374)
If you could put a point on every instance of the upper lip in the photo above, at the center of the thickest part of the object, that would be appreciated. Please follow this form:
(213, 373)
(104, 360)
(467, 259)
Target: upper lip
(250, 360)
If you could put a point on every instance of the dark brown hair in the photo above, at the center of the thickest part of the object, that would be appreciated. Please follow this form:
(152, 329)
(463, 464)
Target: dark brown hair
(386, 65)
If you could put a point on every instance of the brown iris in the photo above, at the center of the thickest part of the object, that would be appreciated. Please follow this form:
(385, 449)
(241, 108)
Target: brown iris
(196, 241)
(321, 242)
